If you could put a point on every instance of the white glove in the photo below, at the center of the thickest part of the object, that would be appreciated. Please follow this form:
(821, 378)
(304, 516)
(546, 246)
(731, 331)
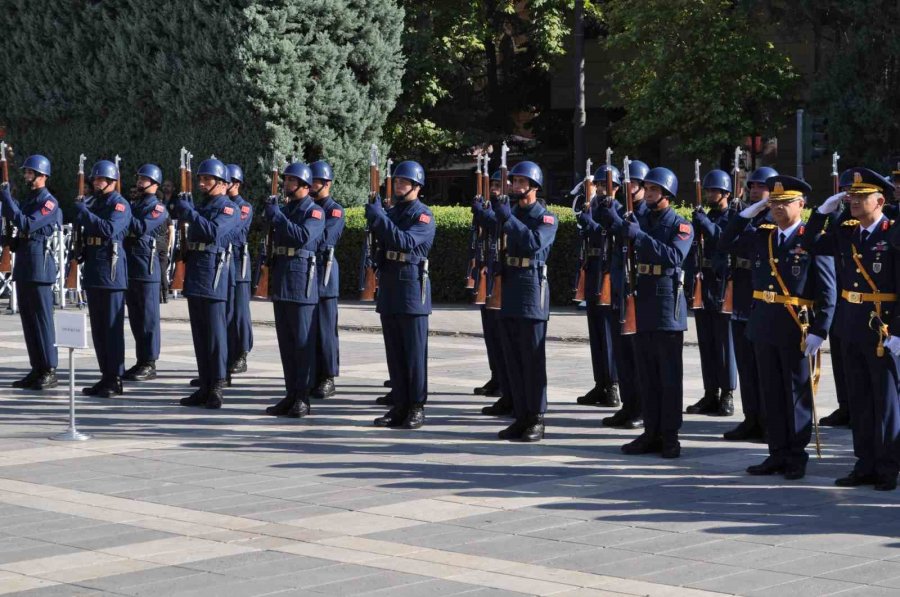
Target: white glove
(813, 344)
(893, 344)
(754, 210)
(831, 204)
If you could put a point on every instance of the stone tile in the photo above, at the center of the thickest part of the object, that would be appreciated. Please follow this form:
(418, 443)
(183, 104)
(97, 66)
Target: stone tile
(745, 582)
(869, 573)
(368, 584)
(807, 587)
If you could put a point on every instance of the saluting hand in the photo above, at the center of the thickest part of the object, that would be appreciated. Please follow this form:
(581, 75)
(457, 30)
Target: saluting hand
(754, 210)
(831, 204)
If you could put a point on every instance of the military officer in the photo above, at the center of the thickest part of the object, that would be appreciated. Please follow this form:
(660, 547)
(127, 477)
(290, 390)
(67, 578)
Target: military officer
(794, 300)
(530, 230)
(240, 325)
(741, 258)
(105, 220)
(210, 229)
(35, 270)
(714, 333)
(602, 321)
(865, 247)
(405, 233)
(144, 273)
(298, 228)
(328, 274)
(661, 244)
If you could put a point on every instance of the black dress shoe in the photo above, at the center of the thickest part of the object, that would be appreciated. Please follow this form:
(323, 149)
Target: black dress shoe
(214, 395)
(645, 443)
(514, 431)
(767, 467)
(534, 431)
(619, 417)
(239, 365)
(593, 396)
(745, 430)
(195, 383)
(886, 483)
(198, 398)
(839, 418)
(111, 387)
(141, 372)
(855, 479)
(324, 389)
(500, 408)
(46, 380)
(283, 407)
(725, 406)
(490, 388)
(300, 408)
(94, 389)
(706, 405)
(671, 449)
(635, 423)
(386, 400)
(393, 418)
(415, 418)
(27, 380)
(610, 397)
(387, 383)
(793, 472)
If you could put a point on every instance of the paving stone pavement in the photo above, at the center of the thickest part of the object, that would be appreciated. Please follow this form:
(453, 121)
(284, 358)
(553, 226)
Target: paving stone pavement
(166, 500)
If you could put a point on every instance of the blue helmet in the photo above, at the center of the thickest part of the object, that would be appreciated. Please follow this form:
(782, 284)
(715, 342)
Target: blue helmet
(761, 175)
(105, 169)
(300, 171)
(496, 176)
(410, 170)
(213, 167)
(637, 170)
(664, 178)
(235, 174)
(38, 163)
(322, 170)
(151, 171)
(600, 175)
(529, 170)
(717, 179)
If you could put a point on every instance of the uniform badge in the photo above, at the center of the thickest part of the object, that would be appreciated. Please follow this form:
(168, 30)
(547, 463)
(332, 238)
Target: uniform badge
(245, 209)
(876, 267)
(335, 213)
(548, 219)
(425, 218)
(120, 207)
(684, 228)
(316, 214)
(47, 208)
(885, 225)
(880, 246)
(227, 210)
(795, 270)
(157, 210)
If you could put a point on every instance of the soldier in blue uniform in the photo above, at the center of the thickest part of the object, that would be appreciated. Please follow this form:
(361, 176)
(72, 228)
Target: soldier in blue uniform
(206, 275)
(623, 348)
(328, 273)
(530, 230)
(865, 247)
(793, 306)
(240, 325)
(717, 363)
(405, 234)
(105, 219)
(298, 228)
(602, 320)
(661, 244)
(142, 295)
(35, 270)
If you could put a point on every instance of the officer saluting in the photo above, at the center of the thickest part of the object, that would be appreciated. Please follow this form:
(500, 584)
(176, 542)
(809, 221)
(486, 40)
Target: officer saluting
(405, 233)
(865, 246)
(142, 296)
(105, 274)
(661, 244)
(35, 269)
(328, 274)
(530, 230)
(298, 227)
(206, 278)
(240, 325)
(794, 299)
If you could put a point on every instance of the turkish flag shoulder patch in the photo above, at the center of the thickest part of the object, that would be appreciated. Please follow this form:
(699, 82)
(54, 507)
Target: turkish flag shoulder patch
(548, 219)
(49, 205)
(425, 218)
(245, 209)
(317, 214)
(335, 213)
(120, 207)
(227, 210)
(684, 228)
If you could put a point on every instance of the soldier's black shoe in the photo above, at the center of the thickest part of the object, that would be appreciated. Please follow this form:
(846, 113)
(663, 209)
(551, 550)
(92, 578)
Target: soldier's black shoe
(769, 466)
(94, 389)
(110, 387)
(610, 397)
(386, 400)
(725, 406)
(46, 380)
(855, 479)
(514, 431)
(490, 388)
(300, 408)
(27, 380)
(794, 472)
(387, 383)
(534, 431)
(593, 396)
(141, 372)
(619, 417)
(198, 398)
(393, 418)
(671, 448)
(632, 423)
(324, 389)
(885, 483)
(195, 383)
(415, 418)
(705, 406)
(214, 395)
(745, 430)
(500, 408)
(283, 407)
(239, 365)
(645, 443)
(839, 418)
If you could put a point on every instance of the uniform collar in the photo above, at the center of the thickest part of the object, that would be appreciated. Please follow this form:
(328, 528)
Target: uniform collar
(874, 225)
(789, 231)
(531, 210)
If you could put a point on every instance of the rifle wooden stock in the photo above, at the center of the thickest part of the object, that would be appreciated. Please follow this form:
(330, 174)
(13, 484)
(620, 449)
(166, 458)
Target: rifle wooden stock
(697, 292)
(262, 284)
(604, 297)
(581, 271)
(495, 300)
(629, 317)
(369, 283)
(6, 248)
(481, 286)
(728, 298)
(579, 284)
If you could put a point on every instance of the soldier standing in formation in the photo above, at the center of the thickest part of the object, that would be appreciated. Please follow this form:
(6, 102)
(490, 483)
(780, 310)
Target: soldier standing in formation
(240, 325)
(35, 270)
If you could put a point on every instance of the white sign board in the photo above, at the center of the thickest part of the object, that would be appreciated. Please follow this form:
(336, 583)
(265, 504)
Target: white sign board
(71, 329)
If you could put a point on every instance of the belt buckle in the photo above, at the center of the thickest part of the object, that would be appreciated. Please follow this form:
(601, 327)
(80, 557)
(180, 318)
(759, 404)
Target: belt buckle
(525, 261)
(854, 298)
(769, 296)
(643, 268)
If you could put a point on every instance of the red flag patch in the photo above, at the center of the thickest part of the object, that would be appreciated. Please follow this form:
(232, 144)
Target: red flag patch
(120, 207)
(548, 219)
(425, 218)
(156, 211)
(227, 210)
(316, 214)
(335, 213)
(684, 228)
(49, 205)
(245, 209)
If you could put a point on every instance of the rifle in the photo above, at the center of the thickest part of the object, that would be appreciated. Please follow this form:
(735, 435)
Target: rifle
(267, 253)
(118, 161)
(495, 300)
(76, 242)
(482, 282)
(835, 177)
(368, 282)
(627, 313)
(727, 303)
(181, 256)
(697, 294)
(604, 297)
(7, 227)
(581, 270)
(474, 230)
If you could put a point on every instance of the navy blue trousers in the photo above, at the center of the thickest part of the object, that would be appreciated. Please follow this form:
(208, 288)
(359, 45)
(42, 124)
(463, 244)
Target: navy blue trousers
(406, 347)
(142, 299)
(837, 369)
(106, 309)
(603, 325)
(660, 367)
(36, 311)
(874, 408)
(717, 364)
(625, 352)
(525, 359)
(491, 327)
(748, 374)
(209, 332)
(784, 384)
(328, 353)
(295, 327)
(240, 325)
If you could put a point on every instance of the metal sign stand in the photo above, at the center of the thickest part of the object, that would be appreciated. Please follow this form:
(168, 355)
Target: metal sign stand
(71, 434)
(71, 333)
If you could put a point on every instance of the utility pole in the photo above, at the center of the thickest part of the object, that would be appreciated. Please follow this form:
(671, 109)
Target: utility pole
(579, 117)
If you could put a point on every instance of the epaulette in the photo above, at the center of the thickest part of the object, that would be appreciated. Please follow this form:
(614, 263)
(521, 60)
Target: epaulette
(850, 223)
(766, 227)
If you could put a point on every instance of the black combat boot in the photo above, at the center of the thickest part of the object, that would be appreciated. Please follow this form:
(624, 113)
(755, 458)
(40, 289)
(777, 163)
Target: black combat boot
(594, 396)
(386, 400)
(198, 398)
(141, 372)
(46, 380)
(611, 396)
(393, 418)
(214, 395)
(239, 365)
(725, 405)
(324, 389)
(534, 431)
(500, 408)
(514, 431)
(645, 443)
(300, 408)
(26, 381)
(415, 418)
(283, 407)
(490, 388)
(706, 405)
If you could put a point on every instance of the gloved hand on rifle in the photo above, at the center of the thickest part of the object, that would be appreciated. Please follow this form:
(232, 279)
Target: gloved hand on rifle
(500, 205)
(754, 210)
(699, 209)
(813, 344)
(4, 191)
(184, 205)
(630, 229)
(478, 205)
(831, 204)
(272, 209)
(374, 209)
(81, 204)
(893, 344)
(609, 217)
